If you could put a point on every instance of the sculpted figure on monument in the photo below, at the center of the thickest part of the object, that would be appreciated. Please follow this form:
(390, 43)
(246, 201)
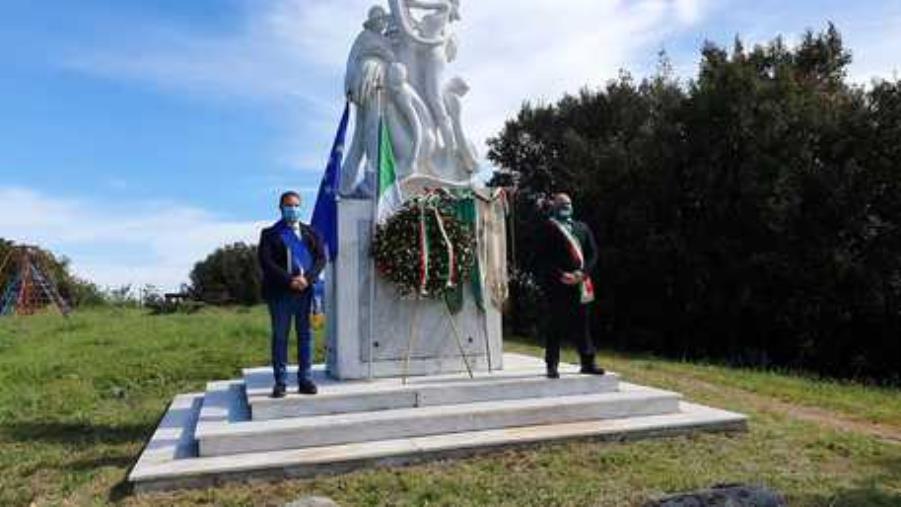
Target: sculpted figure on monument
(367, 64)
(396, 69)
(454, 91)
(423, 49)
(412, 130)
(426, 46)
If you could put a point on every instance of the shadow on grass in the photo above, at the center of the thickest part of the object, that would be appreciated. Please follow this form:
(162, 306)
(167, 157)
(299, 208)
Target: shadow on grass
(75, 434)
(81, 437)
(120, 491)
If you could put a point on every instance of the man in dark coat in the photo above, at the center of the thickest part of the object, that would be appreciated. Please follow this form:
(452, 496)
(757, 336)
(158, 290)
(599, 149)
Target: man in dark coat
(567, 255)
(292, 257)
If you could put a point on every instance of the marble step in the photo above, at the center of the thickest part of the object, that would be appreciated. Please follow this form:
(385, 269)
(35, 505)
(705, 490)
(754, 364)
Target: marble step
(169, 460)
(349, 398)
(173, 440)
(522, 377)
(224, 402)
(225, 437)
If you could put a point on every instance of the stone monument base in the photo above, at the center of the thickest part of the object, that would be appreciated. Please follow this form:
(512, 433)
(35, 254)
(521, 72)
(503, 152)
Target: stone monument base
(235, 432)
(374, 333)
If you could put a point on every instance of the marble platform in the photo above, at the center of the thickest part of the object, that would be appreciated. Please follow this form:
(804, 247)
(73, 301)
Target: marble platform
(234, 432)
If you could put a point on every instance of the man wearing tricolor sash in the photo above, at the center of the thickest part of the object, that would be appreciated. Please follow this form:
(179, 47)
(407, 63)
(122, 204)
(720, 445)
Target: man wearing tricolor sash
(567, 254)
(292, 257)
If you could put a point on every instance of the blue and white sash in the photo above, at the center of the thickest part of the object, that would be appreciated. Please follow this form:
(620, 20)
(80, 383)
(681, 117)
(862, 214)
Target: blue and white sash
(300, 260)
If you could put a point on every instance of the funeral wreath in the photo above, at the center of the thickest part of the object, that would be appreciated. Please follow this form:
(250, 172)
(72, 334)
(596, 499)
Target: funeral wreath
(425, 249)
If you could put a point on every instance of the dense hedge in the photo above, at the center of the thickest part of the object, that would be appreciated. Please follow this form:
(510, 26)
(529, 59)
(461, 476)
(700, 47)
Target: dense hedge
(750, 214)
(230, 275)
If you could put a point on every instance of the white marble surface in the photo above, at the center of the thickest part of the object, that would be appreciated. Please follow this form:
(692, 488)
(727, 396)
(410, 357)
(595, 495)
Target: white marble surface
(172, 473)
(258, 381)
(174, 437)
(338, 399)
(392, 437)
(434, 349)
(315, 431)
(396, 72)
(523, 376)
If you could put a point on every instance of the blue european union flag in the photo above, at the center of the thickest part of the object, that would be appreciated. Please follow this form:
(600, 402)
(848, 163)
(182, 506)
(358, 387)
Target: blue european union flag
(325, 215)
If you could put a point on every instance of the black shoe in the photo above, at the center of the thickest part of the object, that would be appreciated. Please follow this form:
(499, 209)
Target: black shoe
(306, 387)
(592, 369)
(278, 391)
(552, 372)
(589, 367)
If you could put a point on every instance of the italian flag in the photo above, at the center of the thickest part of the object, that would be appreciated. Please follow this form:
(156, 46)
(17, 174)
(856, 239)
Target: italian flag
(389, 196)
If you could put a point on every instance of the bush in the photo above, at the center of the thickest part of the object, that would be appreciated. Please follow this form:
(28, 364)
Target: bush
(230, 275)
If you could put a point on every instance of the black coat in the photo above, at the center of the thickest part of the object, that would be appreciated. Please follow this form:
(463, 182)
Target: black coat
(554, 258)
(273, 257)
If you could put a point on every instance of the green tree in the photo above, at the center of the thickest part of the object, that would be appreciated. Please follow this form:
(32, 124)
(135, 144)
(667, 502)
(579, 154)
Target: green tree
(750, 214)
(230, 275)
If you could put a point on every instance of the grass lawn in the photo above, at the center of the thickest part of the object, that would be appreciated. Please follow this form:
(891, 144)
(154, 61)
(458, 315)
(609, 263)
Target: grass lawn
(79, 397)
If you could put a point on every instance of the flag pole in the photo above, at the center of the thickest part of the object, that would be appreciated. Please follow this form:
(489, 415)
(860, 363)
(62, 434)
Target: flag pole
(481, 226)
(375, 208)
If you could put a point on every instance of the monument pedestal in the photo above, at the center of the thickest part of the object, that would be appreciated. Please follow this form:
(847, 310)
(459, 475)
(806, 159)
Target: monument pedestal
(357, 351)
(235, 432)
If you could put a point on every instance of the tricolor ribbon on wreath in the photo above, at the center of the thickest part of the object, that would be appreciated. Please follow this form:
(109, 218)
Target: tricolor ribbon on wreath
(427, 203)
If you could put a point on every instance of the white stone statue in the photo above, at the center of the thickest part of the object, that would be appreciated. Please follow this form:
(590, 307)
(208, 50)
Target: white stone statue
(412, 126)
(367, 64)
(396, 72)
(423, 49)
(454, 91)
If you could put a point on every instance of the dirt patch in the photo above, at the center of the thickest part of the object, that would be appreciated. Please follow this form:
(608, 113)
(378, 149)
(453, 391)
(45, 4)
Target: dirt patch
(822, 417)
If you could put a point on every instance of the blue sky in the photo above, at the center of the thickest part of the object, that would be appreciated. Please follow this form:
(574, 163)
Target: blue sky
(137, 136)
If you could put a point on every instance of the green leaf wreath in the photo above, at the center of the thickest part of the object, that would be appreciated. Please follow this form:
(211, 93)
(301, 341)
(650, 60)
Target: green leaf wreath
(425, 249)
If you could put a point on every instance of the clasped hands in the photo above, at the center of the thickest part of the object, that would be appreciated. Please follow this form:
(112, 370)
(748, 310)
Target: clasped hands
(574, 278)
(299, 284)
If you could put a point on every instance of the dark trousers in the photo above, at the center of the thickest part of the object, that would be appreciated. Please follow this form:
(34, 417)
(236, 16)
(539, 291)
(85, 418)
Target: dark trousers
(282, 309)
(568, 321)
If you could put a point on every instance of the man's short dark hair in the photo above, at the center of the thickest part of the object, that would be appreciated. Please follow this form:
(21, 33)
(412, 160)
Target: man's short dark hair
(286, 195)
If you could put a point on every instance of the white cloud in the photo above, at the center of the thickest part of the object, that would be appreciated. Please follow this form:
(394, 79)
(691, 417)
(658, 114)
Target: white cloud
(539, 50)
(284, 50)
(876, 45)
(871, 30)
(296, 50)
(112, 246)
(690, 11)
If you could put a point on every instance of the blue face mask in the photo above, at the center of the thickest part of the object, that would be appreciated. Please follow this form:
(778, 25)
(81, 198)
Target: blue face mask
(291, 214)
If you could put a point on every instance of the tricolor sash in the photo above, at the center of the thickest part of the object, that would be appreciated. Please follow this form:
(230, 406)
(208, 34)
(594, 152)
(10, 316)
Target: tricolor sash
(574, 246)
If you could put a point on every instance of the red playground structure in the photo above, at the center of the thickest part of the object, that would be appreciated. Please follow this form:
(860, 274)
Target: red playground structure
(29, 287)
